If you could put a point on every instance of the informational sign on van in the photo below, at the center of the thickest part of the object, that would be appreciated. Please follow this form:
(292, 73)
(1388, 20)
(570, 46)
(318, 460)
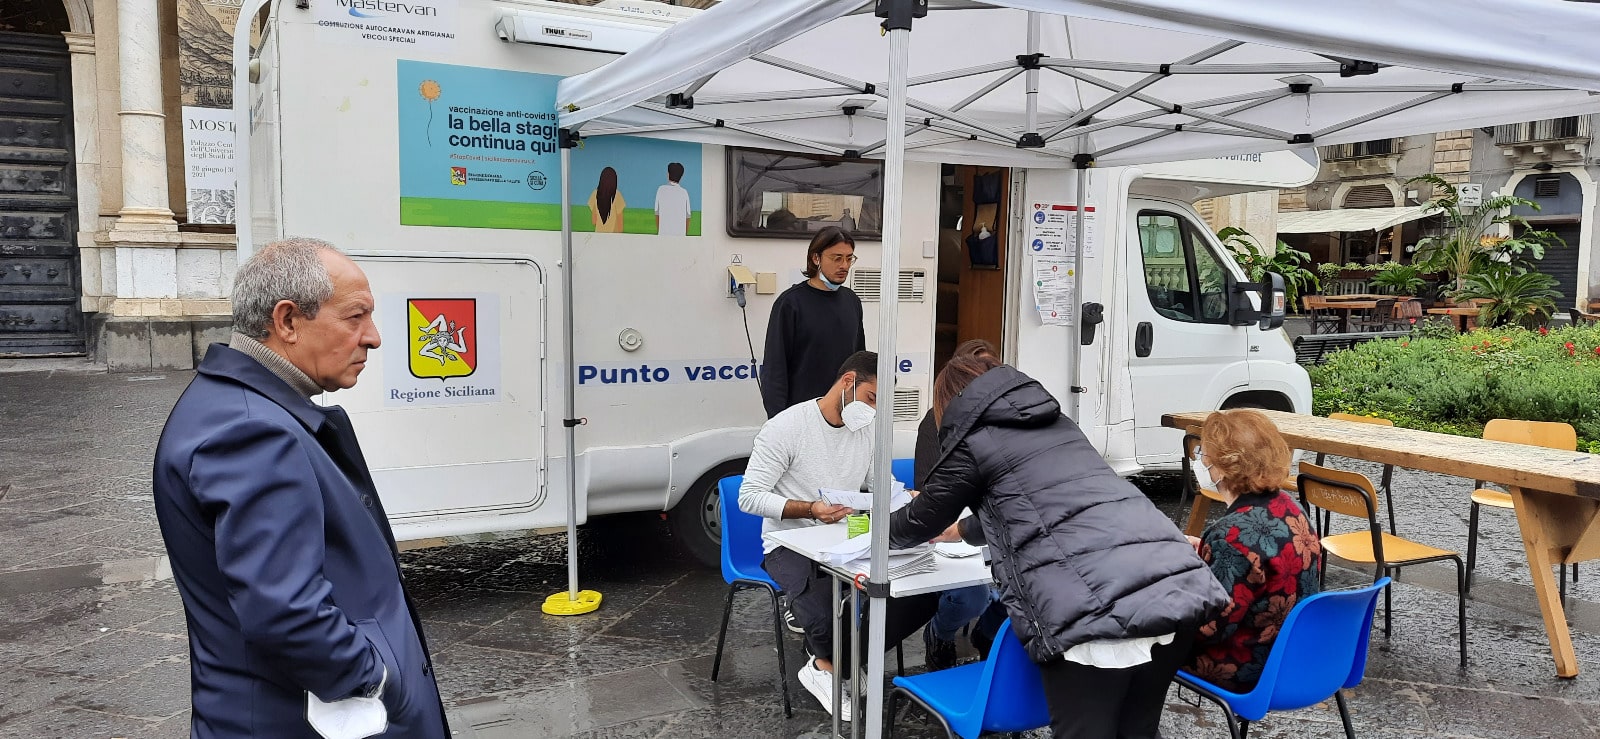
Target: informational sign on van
(1053, 290)
(478, 149)
(698, 371)
(449, 355)
(410, 24)
(1053, 229)
(208, 164)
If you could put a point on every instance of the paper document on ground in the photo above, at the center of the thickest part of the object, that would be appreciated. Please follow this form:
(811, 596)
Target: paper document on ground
(863, 501)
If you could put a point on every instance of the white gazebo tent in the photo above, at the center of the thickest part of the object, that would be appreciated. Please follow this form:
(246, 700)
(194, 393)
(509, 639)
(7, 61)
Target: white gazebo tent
(1075, 83)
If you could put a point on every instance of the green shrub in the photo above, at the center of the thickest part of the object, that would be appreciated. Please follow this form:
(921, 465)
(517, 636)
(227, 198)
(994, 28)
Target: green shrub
(1453, 384)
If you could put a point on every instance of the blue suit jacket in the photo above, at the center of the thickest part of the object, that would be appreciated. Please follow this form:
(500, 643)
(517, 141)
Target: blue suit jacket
(285, 560)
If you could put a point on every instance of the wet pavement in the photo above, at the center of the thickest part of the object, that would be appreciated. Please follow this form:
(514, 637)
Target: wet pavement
(92, 630)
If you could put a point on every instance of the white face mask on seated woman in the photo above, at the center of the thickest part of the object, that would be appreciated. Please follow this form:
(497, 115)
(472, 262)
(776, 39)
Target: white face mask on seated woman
(1202, 471)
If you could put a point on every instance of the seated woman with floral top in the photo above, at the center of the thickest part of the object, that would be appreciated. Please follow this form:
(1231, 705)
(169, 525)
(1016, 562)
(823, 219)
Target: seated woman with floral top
(1263, 550)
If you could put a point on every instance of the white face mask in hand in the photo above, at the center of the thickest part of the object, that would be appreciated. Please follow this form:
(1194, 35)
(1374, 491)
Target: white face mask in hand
(856, 414)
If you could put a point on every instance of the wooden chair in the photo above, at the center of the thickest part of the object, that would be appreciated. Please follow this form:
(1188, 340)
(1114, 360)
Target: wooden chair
(1547, 434)
(1352, 494)
(1203, 497)
(1380, 318)
(1408, 313)
(1322, 320)
(1386, 487)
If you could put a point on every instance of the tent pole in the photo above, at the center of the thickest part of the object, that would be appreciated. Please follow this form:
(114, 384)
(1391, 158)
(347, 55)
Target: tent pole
(1076, 390)
(1035, 20)
(574, 601)
(897, 16)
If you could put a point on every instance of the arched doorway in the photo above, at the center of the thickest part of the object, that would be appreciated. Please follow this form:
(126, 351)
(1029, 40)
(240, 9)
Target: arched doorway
(40, 287)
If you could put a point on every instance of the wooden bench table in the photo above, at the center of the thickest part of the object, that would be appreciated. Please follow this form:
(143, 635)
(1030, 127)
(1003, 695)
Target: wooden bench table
(1461, 315)
(1557, 493)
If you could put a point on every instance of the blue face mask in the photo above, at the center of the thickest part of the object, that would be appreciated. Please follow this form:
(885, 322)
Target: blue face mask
(827, 282)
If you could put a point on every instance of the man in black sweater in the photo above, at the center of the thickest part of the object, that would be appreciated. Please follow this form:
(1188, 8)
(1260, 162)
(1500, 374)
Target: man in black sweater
(814, 326)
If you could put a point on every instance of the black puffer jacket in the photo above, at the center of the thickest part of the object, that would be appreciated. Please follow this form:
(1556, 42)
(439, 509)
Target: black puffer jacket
(1081, 553)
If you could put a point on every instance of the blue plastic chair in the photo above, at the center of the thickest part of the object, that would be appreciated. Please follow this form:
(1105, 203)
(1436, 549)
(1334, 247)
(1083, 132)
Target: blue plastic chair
(741, 569)
(1321, 650)
(903, 470)
(1003, 693)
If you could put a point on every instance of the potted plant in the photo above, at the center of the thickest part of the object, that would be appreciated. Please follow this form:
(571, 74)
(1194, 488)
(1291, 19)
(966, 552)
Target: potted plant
(1471, 241)
(1399, 279)
(1521, 296)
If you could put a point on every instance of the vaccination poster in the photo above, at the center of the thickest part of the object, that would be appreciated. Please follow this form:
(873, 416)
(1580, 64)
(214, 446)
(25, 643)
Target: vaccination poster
(478, 150)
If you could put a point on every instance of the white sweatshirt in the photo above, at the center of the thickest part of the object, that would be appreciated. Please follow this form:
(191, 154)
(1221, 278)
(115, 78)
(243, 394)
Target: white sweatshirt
(797, 452)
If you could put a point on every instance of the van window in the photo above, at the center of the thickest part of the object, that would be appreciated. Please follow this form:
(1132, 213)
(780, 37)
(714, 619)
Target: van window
(1185, 280)
(785, 195)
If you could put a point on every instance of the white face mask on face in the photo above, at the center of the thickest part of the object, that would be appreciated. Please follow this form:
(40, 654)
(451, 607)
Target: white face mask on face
(1202, 473)
(856, 414)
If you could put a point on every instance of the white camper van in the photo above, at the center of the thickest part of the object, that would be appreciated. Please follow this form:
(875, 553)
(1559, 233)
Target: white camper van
(420, 137)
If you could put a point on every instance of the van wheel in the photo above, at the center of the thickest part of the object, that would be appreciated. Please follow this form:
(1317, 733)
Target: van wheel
(696, 521)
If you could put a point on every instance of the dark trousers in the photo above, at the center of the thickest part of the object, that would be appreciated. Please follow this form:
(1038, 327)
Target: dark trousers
(811, 600)
(1096, 703)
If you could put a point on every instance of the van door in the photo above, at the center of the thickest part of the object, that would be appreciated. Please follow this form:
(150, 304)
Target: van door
(1185, 356)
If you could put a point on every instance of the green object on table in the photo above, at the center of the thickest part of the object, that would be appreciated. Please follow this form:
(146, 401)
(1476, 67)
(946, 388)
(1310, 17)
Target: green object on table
(857, 524)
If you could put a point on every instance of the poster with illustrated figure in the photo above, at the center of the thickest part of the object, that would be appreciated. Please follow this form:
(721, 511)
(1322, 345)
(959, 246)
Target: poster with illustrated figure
(478, 149)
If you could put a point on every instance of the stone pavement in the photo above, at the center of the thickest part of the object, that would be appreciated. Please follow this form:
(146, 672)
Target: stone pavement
(92, 630)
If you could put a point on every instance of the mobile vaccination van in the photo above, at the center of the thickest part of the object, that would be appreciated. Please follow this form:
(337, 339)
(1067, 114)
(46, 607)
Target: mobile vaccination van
(421, 138)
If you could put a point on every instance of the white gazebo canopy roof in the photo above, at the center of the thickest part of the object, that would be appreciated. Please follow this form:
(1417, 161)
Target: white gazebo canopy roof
(1127, 82)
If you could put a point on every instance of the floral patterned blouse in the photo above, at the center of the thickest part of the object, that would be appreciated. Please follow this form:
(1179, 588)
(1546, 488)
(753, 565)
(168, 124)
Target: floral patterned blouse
(1264, 551)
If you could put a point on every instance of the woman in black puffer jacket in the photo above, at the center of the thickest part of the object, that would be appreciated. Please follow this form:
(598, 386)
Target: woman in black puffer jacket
(1103, 590)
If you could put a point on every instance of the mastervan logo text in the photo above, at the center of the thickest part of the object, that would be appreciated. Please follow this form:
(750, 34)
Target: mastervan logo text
(444, 337)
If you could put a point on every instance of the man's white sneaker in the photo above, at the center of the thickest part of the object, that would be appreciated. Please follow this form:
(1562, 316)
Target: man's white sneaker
(821, 685)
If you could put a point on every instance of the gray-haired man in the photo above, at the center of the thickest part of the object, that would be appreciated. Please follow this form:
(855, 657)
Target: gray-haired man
(299, 624)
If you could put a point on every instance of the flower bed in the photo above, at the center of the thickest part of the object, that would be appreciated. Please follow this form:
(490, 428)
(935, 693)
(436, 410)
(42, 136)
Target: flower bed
(1440, 381)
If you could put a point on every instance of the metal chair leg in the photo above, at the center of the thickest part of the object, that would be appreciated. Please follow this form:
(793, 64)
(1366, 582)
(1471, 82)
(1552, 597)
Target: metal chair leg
(900, 659)
(1461, 606)
(1388, 495)
(888, 721)
(1344, 714)
(1472, 544)
(1561, 585)
(1244, 729)
(722, 634)
(783, 658)
(1388, 605)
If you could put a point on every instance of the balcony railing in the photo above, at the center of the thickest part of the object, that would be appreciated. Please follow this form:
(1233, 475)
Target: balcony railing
(1362, 150)
(1553, 129)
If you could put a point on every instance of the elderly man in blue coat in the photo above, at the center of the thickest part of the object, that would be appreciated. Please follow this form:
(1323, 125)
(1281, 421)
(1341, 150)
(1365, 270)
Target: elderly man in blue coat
(299, 622)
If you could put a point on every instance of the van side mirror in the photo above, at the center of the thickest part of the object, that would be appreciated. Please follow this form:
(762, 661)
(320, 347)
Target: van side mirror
(1272, 302)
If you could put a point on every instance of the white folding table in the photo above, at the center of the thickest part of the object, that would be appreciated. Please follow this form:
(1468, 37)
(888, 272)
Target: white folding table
(949, 573)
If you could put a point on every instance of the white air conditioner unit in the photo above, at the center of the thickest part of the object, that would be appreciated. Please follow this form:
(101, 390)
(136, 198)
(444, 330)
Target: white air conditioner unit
(573, 32)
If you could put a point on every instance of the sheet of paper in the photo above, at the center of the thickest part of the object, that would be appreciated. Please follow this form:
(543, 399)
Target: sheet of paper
(1053, 230)
(863, 501)
(957, 549)
(1053, 290)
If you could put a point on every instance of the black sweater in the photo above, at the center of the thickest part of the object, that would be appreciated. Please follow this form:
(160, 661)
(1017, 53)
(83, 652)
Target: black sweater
(811, 332)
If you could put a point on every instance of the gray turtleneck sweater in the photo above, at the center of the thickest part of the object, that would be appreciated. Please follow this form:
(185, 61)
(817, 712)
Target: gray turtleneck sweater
(275, 363)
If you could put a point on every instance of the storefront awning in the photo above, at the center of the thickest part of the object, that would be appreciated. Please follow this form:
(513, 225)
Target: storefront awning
(1348, 219)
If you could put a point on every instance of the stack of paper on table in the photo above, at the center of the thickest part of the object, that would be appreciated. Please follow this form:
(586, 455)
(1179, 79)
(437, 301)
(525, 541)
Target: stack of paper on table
(855, 555)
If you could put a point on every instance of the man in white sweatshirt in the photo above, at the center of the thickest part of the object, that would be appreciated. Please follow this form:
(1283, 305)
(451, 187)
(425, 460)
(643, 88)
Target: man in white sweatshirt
(821, 443)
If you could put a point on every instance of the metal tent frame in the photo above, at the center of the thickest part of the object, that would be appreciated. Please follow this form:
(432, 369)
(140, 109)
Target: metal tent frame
(914, 125)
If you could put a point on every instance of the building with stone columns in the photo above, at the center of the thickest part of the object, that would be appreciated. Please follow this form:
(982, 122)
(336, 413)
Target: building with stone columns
(111, 246)
(98, 252)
